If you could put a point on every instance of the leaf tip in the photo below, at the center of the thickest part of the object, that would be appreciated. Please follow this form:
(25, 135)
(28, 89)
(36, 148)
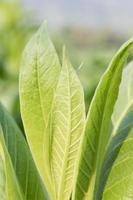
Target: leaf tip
(43, 28)
(63, 52)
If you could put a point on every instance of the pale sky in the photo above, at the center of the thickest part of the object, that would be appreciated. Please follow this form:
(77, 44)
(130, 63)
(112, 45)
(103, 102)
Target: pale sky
(116, 14)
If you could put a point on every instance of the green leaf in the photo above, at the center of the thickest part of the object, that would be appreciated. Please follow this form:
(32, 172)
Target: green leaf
(113, 150)
(125, 98)
(20, 167)
(123, 127)
(38, 80)
(13, 190)
(2, 181)
(97, 131)
(120, 182)
(67, 126)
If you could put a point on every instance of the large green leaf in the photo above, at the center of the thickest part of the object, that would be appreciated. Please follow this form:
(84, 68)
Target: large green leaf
(120, 182)
(125, 99)
(38, 79)
(67, 126)
(19, 165)
(97, 131)
(122, 129)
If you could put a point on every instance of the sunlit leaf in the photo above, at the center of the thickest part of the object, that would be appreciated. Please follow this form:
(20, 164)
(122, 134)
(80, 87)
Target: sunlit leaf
(125, 98)
(20, 170)
(67, 126)
(120, 182)
(123, 123)
(2, 180)
(97, 131)
(113, 150)
(38, 79)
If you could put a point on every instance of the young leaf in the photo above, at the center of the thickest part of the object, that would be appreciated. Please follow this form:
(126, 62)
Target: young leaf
(68, 120)
(38, 79)
(125, 98)
(19, 165)
(97, 131)
(120, 182)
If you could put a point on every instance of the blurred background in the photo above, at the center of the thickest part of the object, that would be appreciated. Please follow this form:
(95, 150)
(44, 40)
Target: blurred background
(92, 30)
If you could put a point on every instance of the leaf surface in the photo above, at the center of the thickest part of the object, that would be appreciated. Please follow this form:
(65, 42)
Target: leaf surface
(120, 182)
(2, 181)
(123, 123)
(113, 150)
(12, 187)
(38, 79)
(18, 161)
(125, 98)
(97, 131)
(68, 120)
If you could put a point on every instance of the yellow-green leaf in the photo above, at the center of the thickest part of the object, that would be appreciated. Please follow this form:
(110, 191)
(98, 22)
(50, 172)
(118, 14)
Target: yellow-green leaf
(38, 79)
(20, 169)
(67, 127)
(2, 180)
(97, 131)
(120, 182)
(123, 123)
(125, 98)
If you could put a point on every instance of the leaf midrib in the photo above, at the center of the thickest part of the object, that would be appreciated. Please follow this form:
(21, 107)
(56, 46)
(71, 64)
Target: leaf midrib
(61, 188)
(40, 96)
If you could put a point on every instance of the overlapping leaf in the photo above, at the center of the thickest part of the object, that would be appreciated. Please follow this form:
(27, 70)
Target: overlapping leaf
(2, 181)
(38, 79)
(125, 99)
(68, 120)
(97, 131)
(22, 178)
(52, 107)
(123, 123)
(113, 151)
(120, 182)
(12, 188)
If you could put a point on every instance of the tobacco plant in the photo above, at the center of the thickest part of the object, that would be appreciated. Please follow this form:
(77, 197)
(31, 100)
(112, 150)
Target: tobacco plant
(66, 154)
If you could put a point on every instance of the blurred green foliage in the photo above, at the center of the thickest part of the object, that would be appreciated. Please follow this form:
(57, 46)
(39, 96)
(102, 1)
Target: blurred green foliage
(90, 52)
(15, 30)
